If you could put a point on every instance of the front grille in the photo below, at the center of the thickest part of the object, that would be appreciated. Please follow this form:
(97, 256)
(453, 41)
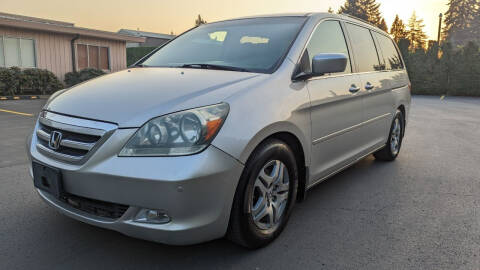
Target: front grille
(77, 140)
(94, 207)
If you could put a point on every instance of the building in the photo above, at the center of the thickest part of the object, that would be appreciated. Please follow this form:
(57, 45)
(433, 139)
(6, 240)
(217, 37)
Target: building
(151, 39)
(60, 47)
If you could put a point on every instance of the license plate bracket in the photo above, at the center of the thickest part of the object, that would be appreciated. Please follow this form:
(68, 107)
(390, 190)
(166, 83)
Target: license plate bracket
(47, 179)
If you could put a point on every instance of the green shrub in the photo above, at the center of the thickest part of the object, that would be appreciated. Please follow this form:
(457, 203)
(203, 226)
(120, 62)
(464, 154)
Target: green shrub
(73, 78)
(39, 81)
(444, 70)
(10, 81)
(15, 81)
(134, 54)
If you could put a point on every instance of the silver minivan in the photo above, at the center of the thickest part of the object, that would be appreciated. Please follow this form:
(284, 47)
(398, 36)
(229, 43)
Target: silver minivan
(220, 131)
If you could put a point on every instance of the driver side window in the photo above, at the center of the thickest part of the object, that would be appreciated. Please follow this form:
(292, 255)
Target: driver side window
(328, 38)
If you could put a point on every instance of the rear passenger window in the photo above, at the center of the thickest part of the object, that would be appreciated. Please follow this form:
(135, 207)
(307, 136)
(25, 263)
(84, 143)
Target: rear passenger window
(392, 59)
(364, 49)
(328, 38)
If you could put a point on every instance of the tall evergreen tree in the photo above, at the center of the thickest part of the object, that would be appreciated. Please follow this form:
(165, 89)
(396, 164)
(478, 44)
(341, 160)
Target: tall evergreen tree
(368, 10)
(459, 21)
(373, 12)
(354, 8)
(199, 21)
(398, 30)
(415, 33)
(476, 24)
(383, 25)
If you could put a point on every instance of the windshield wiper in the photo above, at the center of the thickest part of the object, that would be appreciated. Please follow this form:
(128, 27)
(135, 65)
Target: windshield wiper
(213, 66)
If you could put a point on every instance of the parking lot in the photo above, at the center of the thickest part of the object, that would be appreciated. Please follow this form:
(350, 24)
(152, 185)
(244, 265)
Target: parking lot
(420, 212)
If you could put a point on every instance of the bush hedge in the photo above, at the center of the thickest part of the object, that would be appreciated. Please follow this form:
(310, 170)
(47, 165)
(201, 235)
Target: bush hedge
(73, 78)
(134, 54)
(15, 81)
(443, 70)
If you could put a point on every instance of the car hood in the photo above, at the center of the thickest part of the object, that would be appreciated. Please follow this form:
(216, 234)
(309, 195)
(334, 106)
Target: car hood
(131, 97)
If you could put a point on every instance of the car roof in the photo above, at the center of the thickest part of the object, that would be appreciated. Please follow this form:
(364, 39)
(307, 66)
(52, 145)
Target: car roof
(316, 16)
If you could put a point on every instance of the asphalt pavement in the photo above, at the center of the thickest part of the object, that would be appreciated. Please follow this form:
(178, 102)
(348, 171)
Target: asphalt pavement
(419, 212)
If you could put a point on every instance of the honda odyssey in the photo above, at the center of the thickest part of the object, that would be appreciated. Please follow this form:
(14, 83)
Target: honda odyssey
(223, 129)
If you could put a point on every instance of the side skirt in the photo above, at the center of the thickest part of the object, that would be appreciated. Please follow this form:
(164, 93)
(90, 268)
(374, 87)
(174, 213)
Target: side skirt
(343, 168)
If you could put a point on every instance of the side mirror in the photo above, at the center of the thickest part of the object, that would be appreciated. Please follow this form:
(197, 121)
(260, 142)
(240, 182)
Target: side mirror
(324, 63)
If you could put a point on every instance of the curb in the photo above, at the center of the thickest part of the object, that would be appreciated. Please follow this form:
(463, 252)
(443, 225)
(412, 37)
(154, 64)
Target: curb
(22, 97)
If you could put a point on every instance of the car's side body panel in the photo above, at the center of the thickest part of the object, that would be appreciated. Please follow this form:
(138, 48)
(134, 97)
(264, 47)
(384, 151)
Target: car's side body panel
(334, 126)
(255, 114)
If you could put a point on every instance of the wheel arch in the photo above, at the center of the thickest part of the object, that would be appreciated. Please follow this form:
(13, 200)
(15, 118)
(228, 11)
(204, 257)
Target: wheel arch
(404, 114)
(295, 139)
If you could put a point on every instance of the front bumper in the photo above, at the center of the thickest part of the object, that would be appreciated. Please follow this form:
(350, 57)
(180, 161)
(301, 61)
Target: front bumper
(196, 191)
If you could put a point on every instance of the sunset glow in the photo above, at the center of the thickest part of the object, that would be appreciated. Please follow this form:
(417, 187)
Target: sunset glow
(165, 16)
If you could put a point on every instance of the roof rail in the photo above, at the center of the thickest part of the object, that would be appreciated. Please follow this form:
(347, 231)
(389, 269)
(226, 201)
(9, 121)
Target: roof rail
(356, 18)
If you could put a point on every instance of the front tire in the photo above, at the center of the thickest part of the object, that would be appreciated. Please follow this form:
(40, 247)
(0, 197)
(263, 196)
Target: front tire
(392, 148)
(265, 195)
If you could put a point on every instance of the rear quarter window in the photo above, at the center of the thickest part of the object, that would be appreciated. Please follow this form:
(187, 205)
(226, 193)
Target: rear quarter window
(391, 57)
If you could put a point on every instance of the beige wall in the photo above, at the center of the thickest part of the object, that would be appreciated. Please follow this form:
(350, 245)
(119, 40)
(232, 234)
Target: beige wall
(53, 50)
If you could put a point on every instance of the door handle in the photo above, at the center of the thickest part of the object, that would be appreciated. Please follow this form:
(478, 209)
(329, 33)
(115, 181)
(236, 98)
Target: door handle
(354, 89)
(369, 86)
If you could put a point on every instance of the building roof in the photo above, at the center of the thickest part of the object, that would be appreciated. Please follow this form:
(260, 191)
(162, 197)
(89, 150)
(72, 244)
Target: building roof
(25, 22)
(137, 33)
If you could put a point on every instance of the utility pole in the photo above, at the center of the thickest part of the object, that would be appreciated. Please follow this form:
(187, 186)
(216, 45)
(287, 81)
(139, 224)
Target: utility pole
(439, 28)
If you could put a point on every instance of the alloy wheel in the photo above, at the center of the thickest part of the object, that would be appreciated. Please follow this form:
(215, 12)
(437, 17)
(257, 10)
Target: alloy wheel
(270, 195)
(396, 137)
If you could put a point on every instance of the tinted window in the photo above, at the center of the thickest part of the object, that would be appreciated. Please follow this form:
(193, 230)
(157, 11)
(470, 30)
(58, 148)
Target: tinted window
(253, 44)
(391, 57)
(365, 52)
(328, 38)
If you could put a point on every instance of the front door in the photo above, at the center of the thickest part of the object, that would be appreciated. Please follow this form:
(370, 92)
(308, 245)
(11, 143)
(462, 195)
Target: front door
(336, 106)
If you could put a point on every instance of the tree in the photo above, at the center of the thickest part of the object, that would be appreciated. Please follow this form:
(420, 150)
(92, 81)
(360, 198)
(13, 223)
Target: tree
(383, 25)
(354, 8)
(367, 10)
(415, 33)
(459, 21)
(476, 25)
(330, 10)
(373, 13)
(398, 30)
(199, 21)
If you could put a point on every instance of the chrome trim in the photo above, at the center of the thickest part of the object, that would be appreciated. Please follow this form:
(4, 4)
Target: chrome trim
(48, 152)
(343, 131)
(74, 125)
(77, 145)
(78, 121)
(71, 128)
(41, 134)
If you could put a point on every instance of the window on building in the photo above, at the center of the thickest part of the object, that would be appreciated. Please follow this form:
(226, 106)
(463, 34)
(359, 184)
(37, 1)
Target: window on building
(90, 56)
(365, 51)
(328, 38)
(18, 52)
(2, 55)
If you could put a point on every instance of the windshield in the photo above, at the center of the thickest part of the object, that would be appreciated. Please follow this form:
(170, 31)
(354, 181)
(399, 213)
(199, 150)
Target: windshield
(254, 45)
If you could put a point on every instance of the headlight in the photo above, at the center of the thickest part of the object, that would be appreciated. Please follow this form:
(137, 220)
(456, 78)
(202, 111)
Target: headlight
(176, 134)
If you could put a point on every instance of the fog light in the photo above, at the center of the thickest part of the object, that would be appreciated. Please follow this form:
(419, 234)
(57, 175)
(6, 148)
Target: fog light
(152, 216)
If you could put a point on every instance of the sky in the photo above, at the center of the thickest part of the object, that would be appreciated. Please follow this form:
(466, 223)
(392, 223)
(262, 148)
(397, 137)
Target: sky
(165, 16)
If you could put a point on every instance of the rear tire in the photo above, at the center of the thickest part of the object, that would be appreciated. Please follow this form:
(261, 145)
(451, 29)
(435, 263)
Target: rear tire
(265, 195)
(392, 148)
